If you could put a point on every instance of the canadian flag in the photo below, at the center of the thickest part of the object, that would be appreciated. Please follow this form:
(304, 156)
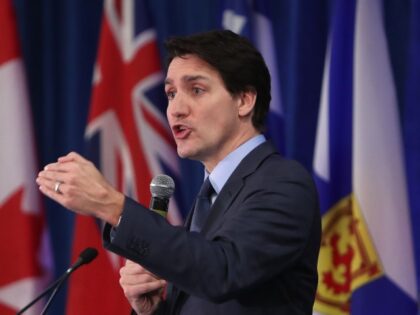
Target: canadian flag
(24, 254)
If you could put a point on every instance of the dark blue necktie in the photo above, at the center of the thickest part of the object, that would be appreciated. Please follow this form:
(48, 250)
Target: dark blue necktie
(202, 206)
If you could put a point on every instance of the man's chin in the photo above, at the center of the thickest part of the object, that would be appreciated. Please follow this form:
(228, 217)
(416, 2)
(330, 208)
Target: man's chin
(184, 153)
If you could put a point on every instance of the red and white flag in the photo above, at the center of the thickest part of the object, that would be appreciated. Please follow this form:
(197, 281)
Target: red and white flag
(24, 252)
(127, 138)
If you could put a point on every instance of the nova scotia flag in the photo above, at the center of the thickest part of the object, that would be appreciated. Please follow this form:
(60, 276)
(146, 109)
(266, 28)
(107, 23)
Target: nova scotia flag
(366, 263)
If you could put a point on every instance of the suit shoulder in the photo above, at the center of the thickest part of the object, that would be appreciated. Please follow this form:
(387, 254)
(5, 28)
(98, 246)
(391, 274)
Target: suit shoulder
(275, 164)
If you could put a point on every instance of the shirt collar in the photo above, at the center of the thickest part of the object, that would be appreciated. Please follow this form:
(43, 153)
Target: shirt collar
(225, 167)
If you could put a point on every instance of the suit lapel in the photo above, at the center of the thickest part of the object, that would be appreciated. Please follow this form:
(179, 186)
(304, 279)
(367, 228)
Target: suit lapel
(226, 196)
(235, 183)
(187, 222)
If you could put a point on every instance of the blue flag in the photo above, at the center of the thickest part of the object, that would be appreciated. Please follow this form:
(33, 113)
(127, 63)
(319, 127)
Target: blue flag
(366, 263)
(412, 127)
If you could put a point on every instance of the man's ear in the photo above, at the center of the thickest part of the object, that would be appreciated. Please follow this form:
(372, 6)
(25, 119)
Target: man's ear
(247, 101)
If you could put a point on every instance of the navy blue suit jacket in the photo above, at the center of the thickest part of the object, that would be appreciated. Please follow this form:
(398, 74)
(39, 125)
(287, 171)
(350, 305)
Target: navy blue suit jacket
(257, 253)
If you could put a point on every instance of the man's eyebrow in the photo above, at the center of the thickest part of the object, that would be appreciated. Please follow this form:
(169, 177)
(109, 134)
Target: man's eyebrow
(188, 78)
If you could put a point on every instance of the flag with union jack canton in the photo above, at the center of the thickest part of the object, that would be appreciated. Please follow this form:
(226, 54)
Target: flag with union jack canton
(127, 137)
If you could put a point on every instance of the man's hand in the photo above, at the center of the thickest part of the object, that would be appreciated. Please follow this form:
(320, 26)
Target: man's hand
(142, 289)
(76, 183)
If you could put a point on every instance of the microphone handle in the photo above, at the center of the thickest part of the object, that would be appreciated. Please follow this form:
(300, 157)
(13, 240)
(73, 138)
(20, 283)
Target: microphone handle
(159, 205)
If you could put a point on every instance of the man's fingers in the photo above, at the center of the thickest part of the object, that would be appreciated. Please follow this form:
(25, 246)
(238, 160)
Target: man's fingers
(131, 268)
(137, 279)
(139, 289)
(56, 172)
(133, 274)
(134, 270)
(61, 166)
(52, 176)
(130, 262)
(72, 156)
(47, 183)
(51, 193)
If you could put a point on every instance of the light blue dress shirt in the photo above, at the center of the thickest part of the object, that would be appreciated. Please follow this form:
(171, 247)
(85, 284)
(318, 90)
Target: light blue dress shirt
(225, 168)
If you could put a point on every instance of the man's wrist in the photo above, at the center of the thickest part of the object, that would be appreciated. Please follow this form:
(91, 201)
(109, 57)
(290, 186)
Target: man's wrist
(114, 209)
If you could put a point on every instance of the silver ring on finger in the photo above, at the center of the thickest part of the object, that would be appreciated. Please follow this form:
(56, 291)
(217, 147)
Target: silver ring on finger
(57, 187)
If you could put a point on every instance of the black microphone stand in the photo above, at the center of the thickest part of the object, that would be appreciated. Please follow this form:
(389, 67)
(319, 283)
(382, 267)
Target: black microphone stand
(57, 287)
(84, 258)
(43, 293)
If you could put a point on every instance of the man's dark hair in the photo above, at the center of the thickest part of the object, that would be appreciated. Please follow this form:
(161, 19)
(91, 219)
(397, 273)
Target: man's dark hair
(240, 65)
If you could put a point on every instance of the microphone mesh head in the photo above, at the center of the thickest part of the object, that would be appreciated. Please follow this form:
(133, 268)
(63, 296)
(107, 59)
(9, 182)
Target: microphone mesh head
(162, 186)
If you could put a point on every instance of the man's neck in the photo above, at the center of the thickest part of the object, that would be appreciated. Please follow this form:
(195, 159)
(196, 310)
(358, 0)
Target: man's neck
(211, 162)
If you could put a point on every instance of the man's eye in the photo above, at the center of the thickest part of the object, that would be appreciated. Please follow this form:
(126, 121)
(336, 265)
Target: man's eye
(197, 90)
(170, 95)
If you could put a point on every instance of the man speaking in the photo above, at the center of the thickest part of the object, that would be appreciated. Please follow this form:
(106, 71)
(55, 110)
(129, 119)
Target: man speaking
(250, 244)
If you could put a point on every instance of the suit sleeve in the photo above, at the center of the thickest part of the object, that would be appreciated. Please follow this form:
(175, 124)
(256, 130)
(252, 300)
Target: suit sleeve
(266, 229)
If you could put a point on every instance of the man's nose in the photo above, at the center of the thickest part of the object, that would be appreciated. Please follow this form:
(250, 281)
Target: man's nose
(178, 106)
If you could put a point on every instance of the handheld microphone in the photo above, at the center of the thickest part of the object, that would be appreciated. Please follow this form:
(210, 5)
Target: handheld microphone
(162, 187)
(85, 257)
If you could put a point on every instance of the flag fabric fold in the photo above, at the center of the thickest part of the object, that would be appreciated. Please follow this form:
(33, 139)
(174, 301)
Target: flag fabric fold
(411, 127)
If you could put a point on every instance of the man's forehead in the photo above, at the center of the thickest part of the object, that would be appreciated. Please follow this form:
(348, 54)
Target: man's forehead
(190, 68)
